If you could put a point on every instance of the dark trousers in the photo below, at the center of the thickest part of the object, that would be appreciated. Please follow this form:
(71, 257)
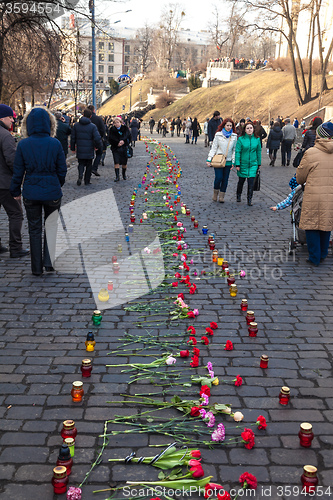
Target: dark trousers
(178, 130)
(286, 150)
(272, 154)
(14, 212)
(151, 128)
(221, 178)
(250, 182)
(318, 243)
(42, 256)
(97, 160)
(85, 167)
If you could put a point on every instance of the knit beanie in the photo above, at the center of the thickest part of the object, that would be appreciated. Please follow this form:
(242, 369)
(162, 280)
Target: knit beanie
(325, 130)
(293, 182)
(5, 111)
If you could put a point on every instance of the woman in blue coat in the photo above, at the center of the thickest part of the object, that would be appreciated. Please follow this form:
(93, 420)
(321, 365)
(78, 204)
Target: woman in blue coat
(40, 161)
(247, 160)
(134, 126)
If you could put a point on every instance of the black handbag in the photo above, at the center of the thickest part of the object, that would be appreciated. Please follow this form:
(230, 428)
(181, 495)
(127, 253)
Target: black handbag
(298, 158)
(256, 184)
(129, 151)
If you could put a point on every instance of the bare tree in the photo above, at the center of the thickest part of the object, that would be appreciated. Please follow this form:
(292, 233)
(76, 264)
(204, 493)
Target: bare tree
(218, 34)
(171, 20)
(144, 37)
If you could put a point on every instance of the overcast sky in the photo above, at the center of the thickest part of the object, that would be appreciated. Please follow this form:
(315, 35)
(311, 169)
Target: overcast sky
(198, 12)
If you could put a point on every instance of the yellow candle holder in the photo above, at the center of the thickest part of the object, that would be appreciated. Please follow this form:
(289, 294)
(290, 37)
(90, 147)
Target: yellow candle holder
(220, 261)
(103, 295)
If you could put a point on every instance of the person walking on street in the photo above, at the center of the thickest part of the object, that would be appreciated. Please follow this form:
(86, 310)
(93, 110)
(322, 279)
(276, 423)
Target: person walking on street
(205, 129)
(151, 124)
(296, 123)
(260, 131)
(315, 171)
(224, 142)
(164, 125)
(85, 138)
(119, 139)
(247, 161)
(213, 123)
(41, 164)
(240, 127)
(274, 141)
(99, 122)
(178, 125)
(310, 135)
(195, 130)
(288, 139)
(134, 127)
(172, 127)
(188, 129)
(12, 206)
(63, 131)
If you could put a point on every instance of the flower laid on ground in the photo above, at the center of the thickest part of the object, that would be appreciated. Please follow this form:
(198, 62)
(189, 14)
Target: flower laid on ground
(242, 274)
(209, 419)
(213, 325)
(261, 422)
(175, 283)
(248, 438)
(224, 496)
(219, 433)
(205, 390)
(196, 312)
(192, 341)
(74, 493)
(147, 250)
(212, 489)
(190, 314)
(215, 381)
(197, 471)
(192, 330)
(228, 346)
(195, 411)
(238, 380)
(196, 351)
(195, 361)
(248, 480)
(170, 360)
(195, 453)
(209, 331)
(180, 296)
(184, 354)
(209, 365)
(204, 340)
(205, 400)
(238, 416)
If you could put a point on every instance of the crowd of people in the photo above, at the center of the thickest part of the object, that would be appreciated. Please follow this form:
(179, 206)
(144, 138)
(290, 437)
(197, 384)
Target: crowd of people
(242, 62)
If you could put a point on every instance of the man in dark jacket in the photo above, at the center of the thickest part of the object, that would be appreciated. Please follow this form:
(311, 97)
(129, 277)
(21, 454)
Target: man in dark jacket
(86, 138)
(63, 131)
(178, 125)
(151, 124)
(13, 207)
(99, 122)
(213, 123)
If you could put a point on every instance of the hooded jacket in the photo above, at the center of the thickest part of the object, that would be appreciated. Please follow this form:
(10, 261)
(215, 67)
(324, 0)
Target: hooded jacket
(86, 138)
(274, 138)
(7, 155)
(39, 158)
(316, 169)
(248, 155)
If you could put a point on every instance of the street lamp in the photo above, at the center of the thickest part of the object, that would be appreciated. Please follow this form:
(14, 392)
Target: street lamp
(130, 106)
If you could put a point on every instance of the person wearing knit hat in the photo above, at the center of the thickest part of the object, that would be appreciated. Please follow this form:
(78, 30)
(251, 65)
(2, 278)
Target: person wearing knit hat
(315, 170)
(12, 207)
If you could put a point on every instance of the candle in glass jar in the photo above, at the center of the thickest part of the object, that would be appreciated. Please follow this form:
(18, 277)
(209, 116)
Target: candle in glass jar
(103, 295)
(284, 395)
(215, 255)
(305, 435)
(188, 211)
(90, 342)
(244, 305)
(250, 317)
(132, 218)
(309, 479)
(233, 290)
(264, 361)
(115, 267)
(70, 442)
(211, 245)
(196, 224)
(253, 330)
(130, 228)
(220, 261)
(231, 279)
(65, 459)
(77, 391)
(97, 317)
(192, 218)
(86, 368)
(60, 480)
(225, 265)
(204, 229)
(68, 430)
(110, 285)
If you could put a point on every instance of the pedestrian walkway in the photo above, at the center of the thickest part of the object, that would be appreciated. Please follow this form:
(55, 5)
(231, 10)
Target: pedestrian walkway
(44, 322)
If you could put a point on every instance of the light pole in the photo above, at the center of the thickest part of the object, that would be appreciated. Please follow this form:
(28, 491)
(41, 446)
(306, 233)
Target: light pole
(130, 106)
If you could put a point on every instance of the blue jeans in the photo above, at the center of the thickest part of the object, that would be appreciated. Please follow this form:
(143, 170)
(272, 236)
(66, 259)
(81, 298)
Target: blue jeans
(97, 159)
(286, 150)
(221, 178)
(318, 243)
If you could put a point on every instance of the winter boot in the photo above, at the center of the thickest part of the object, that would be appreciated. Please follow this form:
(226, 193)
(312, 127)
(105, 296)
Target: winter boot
(221, 200)
(249, 197)
(124, 173)
(117, 179)
(216, 192)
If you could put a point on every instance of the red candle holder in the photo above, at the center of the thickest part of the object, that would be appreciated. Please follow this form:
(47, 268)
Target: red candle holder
(69, 430)
(250, 317)
(110, 283)
(132, 218)
(188, 211)
(264, 361)
(192, 218)
(284, 395)
(196, 224)
(231, 279)
(86, 368)
(244, 305)
(211, 246)
(253, 330)
(60, 480)
(115, 267)
(225, 265)
(305, 435)
(309, 479)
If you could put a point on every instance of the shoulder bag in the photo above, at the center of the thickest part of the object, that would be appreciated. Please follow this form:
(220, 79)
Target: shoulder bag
(256, 183)
(219, 161)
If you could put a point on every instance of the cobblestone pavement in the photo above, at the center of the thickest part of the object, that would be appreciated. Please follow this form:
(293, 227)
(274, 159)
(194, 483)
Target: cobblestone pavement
(44, 322)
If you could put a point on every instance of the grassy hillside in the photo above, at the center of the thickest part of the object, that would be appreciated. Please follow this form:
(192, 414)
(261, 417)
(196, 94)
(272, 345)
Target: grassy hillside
(257, 95)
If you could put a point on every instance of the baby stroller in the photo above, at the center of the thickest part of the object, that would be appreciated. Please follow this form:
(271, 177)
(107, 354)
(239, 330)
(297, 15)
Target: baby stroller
(298, 235)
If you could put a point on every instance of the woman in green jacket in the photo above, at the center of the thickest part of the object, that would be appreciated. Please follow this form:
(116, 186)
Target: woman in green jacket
(247, 160)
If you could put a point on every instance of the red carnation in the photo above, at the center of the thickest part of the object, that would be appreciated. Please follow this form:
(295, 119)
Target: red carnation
(197, 471)
(205, 390)
(179, 247)
(192, 290)
(261, 422)
(195, 453)
(192, 341)
(175, 283)
(248, 437)
(225, 496)
(228, 346)
(238, 381)
(186, 266)
(195, 411)
(190, 314)
(174, 237)
(180, 296)
(247, 480)
(192, 330)
(204, 340)
(175, 217)
(209, 331)
(195, 361)
(177, 275)
(184, 354)
(212, 489)
(196, 351)
(185, 256)
(213, 325)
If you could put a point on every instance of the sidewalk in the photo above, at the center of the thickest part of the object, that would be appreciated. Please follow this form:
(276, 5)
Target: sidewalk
(44, 322)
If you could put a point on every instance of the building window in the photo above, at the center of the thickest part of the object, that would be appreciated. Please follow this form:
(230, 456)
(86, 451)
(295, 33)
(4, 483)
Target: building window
(101, 57)
(100, 68)
(111, 46)
(110, 69)
(90, 56)
(101, 45)
(90, 45)
(127, 49)
(100, 79)
(127, 59)
(126, 68)
(111, 57)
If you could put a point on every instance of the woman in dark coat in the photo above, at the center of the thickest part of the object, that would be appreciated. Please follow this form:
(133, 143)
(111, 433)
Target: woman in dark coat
(310, 134)
(134, 126)
(195, 130)
(41, 162)
(274, 141)
(119, 139)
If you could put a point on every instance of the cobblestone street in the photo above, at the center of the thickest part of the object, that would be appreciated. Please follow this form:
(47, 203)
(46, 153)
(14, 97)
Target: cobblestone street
(44, 322)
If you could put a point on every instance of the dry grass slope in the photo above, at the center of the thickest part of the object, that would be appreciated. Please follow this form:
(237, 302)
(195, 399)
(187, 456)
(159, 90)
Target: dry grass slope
(258, 95)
